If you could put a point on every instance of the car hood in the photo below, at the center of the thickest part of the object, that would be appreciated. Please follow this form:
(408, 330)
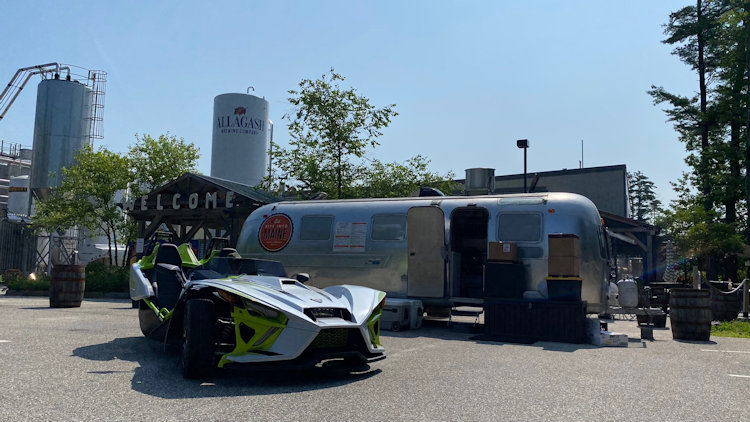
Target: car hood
(279, 292)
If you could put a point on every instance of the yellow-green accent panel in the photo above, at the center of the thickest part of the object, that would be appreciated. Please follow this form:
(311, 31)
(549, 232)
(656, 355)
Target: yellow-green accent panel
(266, 332)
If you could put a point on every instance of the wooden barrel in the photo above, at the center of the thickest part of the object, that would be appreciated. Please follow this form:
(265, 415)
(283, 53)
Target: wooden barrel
(690, 314)
(67, 284)
(724, 307)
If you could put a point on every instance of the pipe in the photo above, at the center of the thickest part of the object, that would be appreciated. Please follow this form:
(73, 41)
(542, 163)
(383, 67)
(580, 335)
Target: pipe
(20, 88)
(28, 72)
(7, 87)
(270, 153)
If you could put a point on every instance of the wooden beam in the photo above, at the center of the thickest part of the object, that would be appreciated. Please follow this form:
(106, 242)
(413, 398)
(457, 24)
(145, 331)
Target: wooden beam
(151, 229)
(171, 229)
(638, 242)
(191, 233)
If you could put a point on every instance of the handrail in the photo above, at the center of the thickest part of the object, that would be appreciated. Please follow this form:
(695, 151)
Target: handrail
(733, 291)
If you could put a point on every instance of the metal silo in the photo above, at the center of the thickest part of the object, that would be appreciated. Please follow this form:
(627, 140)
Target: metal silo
(62, 127)
(240, 138)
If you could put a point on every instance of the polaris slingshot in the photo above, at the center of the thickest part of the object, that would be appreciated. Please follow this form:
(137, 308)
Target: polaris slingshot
(231, 310)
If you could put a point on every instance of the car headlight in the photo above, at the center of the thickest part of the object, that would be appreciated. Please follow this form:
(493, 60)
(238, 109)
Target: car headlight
(255, 308)
(252, 307)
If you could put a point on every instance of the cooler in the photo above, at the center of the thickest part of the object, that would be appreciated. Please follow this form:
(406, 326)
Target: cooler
(401, 314)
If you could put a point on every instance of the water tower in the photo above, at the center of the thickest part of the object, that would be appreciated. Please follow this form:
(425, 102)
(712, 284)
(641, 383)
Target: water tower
(240, 138)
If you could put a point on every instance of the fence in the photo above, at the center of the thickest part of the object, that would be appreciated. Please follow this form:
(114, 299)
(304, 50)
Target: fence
(23, 250)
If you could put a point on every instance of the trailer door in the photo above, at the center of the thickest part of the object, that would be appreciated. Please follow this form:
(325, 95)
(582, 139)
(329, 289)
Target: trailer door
(426, 241)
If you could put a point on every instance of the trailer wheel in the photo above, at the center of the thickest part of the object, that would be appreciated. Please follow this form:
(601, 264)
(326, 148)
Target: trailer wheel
(198, 345)
(395, 326)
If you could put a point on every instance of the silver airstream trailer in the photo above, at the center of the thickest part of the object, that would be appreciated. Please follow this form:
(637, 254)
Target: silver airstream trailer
(431, 248)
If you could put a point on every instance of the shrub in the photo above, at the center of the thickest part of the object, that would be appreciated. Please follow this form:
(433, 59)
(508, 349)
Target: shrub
(25, 283)
(101, 277)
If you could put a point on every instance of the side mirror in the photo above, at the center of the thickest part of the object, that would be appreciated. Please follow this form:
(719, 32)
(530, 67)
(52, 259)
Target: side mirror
(302, 277)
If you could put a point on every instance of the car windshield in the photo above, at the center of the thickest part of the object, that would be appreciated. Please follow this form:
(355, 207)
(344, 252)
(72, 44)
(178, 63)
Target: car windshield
(221, 267)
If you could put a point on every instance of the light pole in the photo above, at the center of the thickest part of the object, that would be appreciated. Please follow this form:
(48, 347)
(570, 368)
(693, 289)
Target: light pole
(524, 144)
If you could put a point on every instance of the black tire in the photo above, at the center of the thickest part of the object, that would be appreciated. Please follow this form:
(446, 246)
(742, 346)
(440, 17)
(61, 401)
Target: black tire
(198, 339)
(396, 326)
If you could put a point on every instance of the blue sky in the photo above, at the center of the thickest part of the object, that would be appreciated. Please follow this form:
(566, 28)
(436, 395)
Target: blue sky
(468, 78)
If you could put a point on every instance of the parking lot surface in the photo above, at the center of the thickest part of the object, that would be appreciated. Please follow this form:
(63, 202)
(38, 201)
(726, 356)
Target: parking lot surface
(92, 363)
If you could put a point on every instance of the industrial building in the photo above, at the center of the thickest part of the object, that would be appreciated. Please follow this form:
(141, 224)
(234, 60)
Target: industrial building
(15, 164)
(69, 106)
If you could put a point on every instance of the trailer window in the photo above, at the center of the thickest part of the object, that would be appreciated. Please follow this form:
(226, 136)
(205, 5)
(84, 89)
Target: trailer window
(519, 227)
(315, 227)
(388, 227)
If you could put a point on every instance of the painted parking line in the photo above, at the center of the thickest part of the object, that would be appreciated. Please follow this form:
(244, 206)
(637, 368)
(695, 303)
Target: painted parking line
(726, 351)
(4, 341)
(739, 376)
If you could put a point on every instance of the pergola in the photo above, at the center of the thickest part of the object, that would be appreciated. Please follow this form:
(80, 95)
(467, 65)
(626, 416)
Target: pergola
(194, 204)
(634, 238)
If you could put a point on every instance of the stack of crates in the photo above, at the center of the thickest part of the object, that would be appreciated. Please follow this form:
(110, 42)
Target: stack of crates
(564, 267)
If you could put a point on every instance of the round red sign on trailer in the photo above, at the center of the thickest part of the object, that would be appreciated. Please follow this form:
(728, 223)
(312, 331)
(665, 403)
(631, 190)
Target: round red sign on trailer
(274, 233)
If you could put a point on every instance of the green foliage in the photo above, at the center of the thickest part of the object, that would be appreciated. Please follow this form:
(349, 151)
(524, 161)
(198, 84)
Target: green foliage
(393, 180)
(85, 197)
(158, 161)
(331, 129)
(643, 202)
(101, 277)
(711, 37)
(694, 230)
(736, 328)
(25, 283)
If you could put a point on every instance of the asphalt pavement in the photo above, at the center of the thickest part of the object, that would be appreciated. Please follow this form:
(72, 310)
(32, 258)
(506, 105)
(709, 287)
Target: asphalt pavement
(92, 363)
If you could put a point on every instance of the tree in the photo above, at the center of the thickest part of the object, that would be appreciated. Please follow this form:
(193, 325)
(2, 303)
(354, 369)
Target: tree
(86, 196)
(698, 33)
(158, 161)
(390, 180)
(693, 231)
(331, 129)
(642, 196)
(691, 29)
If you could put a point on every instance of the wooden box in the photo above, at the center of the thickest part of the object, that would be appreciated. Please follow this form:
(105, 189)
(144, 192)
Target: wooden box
(502, 251)
(564, 245)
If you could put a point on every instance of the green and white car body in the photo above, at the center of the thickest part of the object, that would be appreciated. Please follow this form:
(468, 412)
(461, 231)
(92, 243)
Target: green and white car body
(252, 317)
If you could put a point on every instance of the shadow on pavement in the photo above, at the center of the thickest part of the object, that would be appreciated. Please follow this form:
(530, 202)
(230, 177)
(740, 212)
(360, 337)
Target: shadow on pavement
(695, 341)
(158, 373)
(468, 331)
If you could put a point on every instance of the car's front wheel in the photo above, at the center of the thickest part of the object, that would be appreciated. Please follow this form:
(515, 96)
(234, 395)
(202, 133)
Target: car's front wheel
(198, 339)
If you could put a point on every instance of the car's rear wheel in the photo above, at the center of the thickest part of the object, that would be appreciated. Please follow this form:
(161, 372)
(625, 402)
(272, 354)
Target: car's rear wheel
(198, 339)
